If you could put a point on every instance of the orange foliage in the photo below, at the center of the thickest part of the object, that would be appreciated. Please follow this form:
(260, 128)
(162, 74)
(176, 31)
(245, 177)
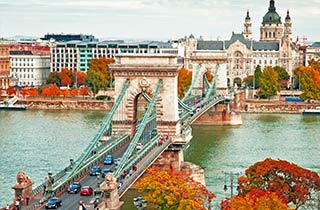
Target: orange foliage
(46, 91)
(255, 200)
(65, 92)
(65, 77)
(51, 90)
(81, 76)
(209, 76)
(74, 92)
(172, 190)
(293, 183)
(33, 92)
(11, 91)
(84, 91)
(25, 91)
(184, 81)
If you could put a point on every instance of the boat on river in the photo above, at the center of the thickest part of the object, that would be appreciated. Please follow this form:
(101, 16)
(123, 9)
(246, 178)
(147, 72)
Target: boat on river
(12, 107)
(312, 111)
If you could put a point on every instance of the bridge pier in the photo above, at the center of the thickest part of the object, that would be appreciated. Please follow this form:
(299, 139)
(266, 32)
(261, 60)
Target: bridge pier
(220, 114)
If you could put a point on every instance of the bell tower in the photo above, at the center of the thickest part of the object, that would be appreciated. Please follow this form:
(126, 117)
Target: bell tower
(247, 32)
(288, 26)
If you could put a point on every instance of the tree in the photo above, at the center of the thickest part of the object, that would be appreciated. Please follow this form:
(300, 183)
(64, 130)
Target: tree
(81, 77)
(184, 81)
(269, 82)
(256, 199)
(172, 190)
(293, 183)
(83, 91)
(283, 76)
(308, 80)
(248, 81)
(11, 91)
(25, 91)
(53, 78)
(99, 76)
(65, 92)
(74, 92)
(46, 91)
(66, 77)
(55, 91)
(257, 75)
(33, 92)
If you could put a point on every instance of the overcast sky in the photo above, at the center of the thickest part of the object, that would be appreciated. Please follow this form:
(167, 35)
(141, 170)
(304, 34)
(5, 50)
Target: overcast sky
(151, 19)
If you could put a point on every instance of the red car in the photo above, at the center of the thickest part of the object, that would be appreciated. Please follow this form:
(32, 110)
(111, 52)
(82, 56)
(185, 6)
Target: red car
(86, 190)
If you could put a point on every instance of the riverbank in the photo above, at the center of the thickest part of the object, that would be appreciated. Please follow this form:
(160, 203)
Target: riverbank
(65, 104)
(258, 106)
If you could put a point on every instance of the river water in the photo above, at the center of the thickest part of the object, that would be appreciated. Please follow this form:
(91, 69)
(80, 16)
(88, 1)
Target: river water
(42, 141)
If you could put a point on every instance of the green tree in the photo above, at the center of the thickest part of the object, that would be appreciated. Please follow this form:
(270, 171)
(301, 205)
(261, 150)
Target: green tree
(99, 76)
(269, 82)
(283, 76)
(54, 78)
(96, 80)
(257, 75)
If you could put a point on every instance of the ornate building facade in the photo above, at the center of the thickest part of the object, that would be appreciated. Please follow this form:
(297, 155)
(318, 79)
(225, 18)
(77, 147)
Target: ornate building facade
(243, 54)
(5, 79)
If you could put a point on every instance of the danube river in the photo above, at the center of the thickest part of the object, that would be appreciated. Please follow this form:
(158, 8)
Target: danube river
(42, 141)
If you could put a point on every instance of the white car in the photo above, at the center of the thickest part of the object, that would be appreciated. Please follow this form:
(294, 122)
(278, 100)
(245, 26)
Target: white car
(139, 146)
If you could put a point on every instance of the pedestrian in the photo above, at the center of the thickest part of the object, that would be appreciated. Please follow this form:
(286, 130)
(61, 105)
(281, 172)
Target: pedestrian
(95, 204)
(82, 206)
(7, 207)
(17, 204)
(27, 200)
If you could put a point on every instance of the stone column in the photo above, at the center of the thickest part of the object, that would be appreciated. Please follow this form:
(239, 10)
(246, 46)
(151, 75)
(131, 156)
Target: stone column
(23, 188)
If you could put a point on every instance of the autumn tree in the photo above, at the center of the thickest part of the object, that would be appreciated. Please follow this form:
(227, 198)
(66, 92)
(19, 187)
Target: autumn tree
(55, 90)
(99, 76)
(184, 81)
(11, 91)
(84, 91)
(293, 183)
(172, 190)
(81, 77)
(25, 91)
(74, 92)
(283, 76)
(33, 92)
(269, 82)
(54, 78)
(46, 91)
(248, 81)
(66, 77)
(65, 92)
(256, 199)
(308, 80)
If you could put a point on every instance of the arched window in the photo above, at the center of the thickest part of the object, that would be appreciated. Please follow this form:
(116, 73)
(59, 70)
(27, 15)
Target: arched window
(274, 34)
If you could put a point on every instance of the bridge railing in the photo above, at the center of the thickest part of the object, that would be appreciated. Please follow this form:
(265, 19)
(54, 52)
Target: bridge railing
(146, 163)
(58, 187)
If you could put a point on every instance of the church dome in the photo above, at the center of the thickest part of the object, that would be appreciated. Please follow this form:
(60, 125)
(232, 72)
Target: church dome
(272, 16)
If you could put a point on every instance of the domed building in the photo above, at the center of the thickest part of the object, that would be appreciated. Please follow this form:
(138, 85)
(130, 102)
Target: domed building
(240, 55)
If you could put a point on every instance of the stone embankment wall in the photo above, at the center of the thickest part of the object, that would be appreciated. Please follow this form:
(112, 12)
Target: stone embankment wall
(66, 104)
(276, 107)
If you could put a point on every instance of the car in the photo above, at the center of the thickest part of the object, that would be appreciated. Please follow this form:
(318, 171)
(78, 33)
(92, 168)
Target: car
(86, 190)
(108, 160)
(105, 171)
(117, 161)
(95, 171)
(139, 146)
(74, 187)
(53, 203)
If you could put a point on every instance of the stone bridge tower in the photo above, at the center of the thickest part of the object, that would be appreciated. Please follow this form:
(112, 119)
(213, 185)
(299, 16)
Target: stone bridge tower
(144, 72)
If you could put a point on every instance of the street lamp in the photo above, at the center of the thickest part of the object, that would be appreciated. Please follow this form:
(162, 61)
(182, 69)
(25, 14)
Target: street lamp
(140, 203)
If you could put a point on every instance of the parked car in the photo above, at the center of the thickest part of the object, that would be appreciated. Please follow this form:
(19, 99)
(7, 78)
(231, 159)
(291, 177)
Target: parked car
(108, 160)
(95, 171)
(105, 171)
(139, 146)
(53, 203)
(74, 188)
(86, 190)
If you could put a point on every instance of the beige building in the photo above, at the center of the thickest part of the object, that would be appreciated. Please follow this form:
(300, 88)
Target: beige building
(313, 52)
(5, 79)
(243, 54)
